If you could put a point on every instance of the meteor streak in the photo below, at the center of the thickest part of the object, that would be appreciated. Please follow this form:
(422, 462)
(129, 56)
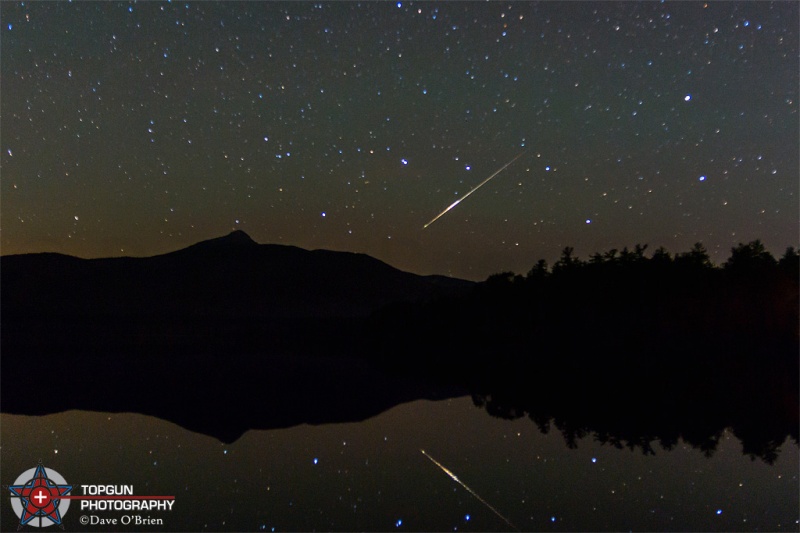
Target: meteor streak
(478, 186)
(455, 478)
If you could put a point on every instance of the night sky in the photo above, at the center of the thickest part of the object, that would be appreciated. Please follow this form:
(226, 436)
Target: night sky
(140, 128)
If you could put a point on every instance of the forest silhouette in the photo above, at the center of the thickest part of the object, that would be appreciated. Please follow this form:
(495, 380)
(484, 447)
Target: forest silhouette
(624, 346)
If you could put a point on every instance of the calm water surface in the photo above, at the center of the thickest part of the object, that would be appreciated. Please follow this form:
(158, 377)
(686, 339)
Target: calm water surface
(372, 475)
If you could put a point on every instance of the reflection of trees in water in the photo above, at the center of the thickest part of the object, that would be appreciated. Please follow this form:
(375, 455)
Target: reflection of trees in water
(760, 437)
(636, 351)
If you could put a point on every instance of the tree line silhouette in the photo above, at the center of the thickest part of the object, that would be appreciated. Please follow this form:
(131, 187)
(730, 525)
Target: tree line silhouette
(746, 260)
(620, 298)
(630, 347)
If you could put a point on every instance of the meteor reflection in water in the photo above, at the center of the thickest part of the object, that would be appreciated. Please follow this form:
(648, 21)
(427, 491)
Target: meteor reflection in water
(478, 186)
(455, 478)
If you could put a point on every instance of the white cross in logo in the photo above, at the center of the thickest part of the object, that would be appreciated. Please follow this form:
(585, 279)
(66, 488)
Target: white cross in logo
(41, 496)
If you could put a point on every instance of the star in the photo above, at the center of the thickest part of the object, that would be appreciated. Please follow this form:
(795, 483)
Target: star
(242, 109)
(40, 497)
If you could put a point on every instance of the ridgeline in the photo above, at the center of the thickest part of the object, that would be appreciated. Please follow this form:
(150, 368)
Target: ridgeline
(628, 347)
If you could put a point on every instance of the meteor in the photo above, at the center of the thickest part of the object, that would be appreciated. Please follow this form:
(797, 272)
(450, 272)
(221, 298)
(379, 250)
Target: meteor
(478, 186)
(455, 478)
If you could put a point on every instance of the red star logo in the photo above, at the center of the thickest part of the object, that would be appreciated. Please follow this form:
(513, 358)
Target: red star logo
(40, 497)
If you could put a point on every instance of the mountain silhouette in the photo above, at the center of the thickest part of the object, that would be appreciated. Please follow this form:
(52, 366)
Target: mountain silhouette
(227, 277)
(190, 335)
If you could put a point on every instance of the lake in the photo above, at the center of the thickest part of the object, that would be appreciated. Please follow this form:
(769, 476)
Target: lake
(372, 475)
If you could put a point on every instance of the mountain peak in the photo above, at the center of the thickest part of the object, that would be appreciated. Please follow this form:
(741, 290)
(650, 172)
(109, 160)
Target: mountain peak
(237, 237)
(234, 239)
